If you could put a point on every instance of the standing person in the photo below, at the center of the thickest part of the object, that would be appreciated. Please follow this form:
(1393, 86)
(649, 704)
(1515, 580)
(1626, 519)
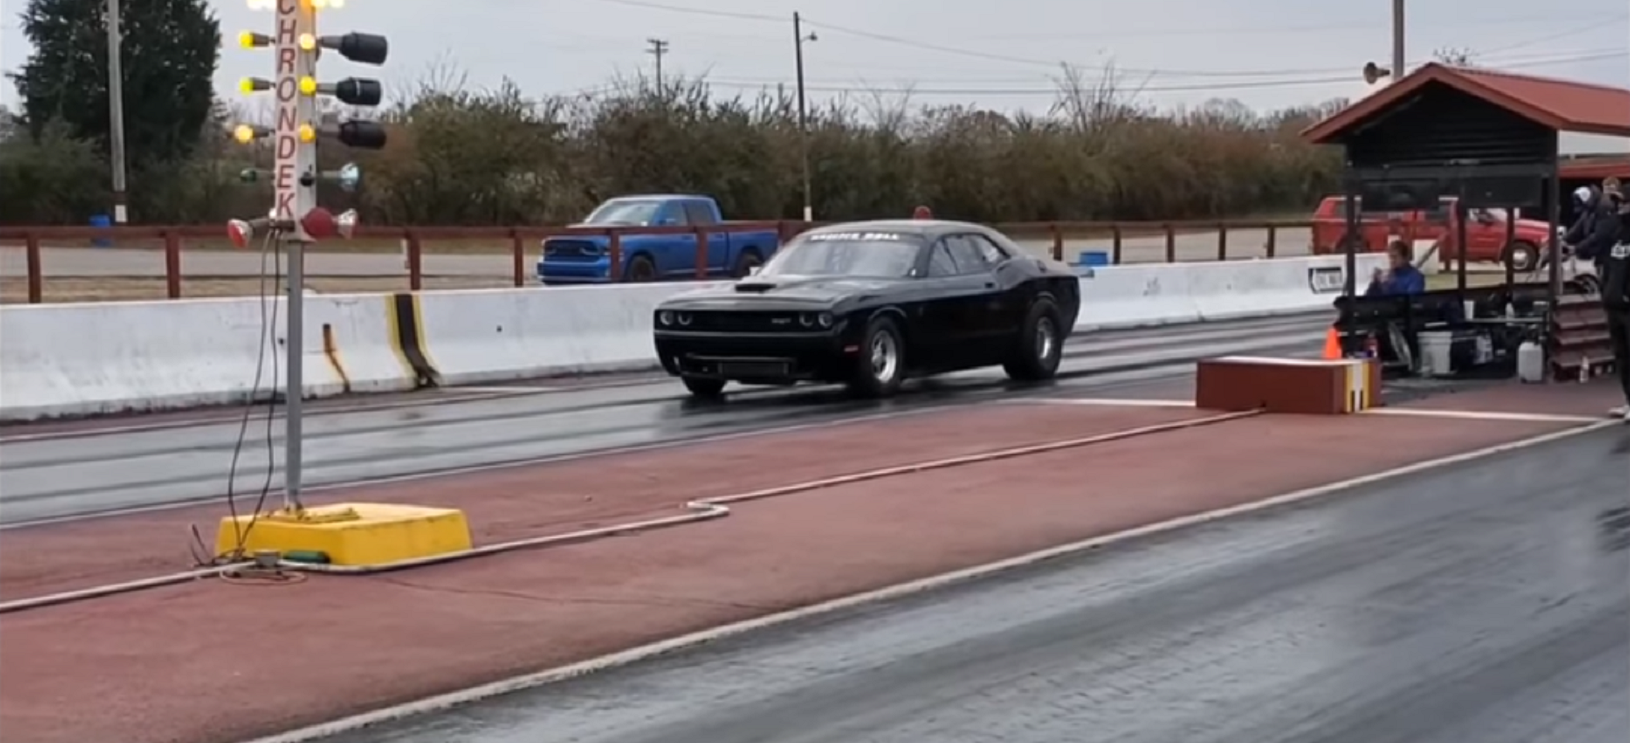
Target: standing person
(1598, 225)
(1613, 266)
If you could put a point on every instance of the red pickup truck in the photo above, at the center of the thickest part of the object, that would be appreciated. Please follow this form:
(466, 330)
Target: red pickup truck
(1485, 232)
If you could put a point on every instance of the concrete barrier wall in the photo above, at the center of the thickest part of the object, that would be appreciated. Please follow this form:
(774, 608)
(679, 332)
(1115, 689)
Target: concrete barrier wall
(478, 336)
(1160, 294)
(108, 357)
(112, 357)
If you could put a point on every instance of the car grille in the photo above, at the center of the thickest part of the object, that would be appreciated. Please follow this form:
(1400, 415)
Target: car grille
(746, 322)
(570, 250)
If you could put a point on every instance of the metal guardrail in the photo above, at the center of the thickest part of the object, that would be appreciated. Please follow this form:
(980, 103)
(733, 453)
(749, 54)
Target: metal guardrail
(523, 240)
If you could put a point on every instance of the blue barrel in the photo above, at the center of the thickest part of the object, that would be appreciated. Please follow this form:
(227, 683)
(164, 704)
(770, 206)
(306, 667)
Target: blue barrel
(101, 220)
(1093, 258)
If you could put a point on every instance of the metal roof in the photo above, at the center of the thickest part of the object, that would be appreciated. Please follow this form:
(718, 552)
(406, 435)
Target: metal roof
(1563, 105)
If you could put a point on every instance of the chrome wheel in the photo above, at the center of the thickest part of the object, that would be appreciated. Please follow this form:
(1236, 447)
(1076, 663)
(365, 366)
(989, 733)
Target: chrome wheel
(1046, 340)
(885, 355)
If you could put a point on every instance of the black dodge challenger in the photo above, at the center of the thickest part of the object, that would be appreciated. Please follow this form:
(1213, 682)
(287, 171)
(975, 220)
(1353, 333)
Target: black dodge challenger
(869, 304)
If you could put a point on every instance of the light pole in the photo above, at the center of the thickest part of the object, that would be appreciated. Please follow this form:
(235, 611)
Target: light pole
(116, 113)
(1374, 72)
(798, 39)
(1398, 40)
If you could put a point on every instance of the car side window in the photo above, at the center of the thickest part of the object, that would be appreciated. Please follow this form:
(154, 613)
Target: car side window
(940, 262)
(697, 213)
(992, 252)
(672, 214)
(968, 256)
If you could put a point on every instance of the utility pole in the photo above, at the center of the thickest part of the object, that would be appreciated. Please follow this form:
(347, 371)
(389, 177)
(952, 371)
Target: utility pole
(659, 47)
(798, 39)
(116, 112)
(1398, 63)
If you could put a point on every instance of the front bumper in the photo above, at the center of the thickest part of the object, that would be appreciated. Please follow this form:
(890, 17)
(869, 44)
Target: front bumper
(579, 271)
(757, 358)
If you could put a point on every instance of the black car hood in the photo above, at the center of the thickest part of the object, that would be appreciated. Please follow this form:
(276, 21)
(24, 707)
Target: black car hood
(755, 290)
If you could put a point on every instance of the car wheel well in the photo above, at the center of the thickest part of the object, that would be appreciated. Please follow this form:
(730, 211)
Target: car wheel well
(635, 258)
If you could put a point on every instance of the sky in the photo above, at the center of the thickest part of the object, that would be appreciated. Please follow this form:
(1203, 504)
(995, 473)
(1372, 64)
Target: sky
(1266, 53)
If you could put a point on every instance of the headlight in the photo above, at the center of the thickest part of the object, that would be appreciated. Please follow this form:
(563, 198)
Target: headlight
(683, 318)
(824, 319)
(805, 319)
(665, 318)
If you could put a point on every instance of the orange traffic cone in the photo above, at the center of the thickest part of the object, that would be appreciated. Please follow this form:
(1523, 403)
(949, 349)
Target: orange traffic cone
(1332, 345)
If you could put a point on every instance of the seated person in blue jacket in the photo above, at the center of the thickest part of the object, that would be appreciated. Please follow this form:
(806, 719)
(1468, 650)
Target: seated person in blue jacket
(1401, 277)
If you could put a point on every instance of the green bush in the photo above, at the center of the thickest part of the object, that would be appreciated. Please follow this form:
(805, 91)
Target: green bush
(493, 157)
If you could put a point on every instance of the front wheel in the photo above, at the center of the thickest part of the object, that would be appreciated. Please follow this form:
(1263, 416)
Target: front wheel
(704, 386)
(881, 365)
(1040, 345)
(1522, 257)
(641, 270)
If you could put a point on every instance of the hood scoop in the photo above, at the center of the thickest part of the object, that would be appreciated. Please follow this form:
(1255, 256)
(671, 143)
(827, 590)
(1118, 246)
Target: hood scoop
(754, 287)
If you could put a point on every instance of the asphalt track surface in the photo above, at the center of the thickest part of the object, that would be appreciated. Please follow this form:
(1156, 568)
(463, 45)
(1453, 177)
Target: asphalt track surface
(45, 475)
(1486, 602)
(64, 261)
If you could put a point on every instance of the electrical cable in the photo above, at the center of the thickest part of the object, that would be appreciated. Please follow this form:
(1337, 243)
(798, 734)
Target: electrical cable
(268, 338)
(1197, 87)
(904, 41)
(1530, 58)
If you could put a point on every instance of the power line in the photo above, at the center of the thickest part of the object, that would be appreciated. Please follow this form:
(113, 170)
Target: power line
(1117, 68)
(1576, 31)
(1055, 64)
(1250, 30)
(699, 11)
(1199, 87)
(1531, 58)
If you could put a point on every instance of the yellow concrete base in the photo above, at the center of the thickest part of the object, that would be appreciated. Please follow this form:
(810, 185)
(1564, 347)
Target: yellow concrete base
(351, 533)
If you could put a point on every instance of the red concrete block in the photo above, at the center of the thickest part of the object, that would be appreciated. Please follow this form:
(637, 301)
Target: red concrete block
(1288, 385)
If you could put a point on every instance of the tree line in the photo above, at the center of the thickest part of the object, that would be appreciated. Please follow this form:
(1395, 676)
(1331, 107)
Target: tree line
(459, 155)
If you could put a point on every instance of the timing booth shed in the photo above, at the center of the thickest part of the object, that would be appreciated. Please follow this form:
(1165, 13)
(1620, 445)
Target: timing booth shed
(1472, 139)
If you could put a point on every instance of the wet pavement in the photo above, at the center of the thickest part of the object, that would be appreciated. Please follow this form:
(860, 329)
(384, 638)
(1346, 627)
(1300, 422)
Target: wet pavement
(1487, 601)
(450, 430)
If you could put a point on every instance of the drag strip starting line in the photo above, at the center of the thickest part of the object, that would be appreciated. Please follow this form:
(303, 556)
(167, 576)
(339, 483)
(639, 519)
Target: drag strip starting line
(900, 590)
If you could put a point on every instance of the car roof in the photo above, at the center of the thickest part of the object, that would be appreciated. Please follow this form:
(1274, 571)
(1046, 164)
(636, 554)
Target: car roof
(659, 196)
(925, 227)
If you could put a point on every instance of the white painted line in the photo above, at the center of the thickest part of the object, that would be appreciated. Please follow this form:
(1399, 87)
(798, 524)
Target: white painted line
(1484, 415)
(503, 390)
(887, 593)
(1131, 402)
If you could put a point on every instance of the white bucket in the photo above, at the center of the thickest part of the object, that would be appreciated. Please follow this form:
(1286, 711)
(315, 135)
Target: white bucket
(1435, 347)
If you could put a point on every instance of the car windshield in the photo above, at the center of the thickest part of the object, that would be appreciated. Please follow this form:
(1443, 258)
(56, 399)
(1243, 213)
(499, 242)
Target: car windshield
(635, 212)
(871, 255)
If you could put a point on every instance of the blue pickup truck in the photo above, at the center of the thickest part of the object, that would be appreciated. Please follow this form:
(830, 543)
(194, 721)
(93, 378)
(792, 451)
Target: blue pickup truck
(586, 259)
